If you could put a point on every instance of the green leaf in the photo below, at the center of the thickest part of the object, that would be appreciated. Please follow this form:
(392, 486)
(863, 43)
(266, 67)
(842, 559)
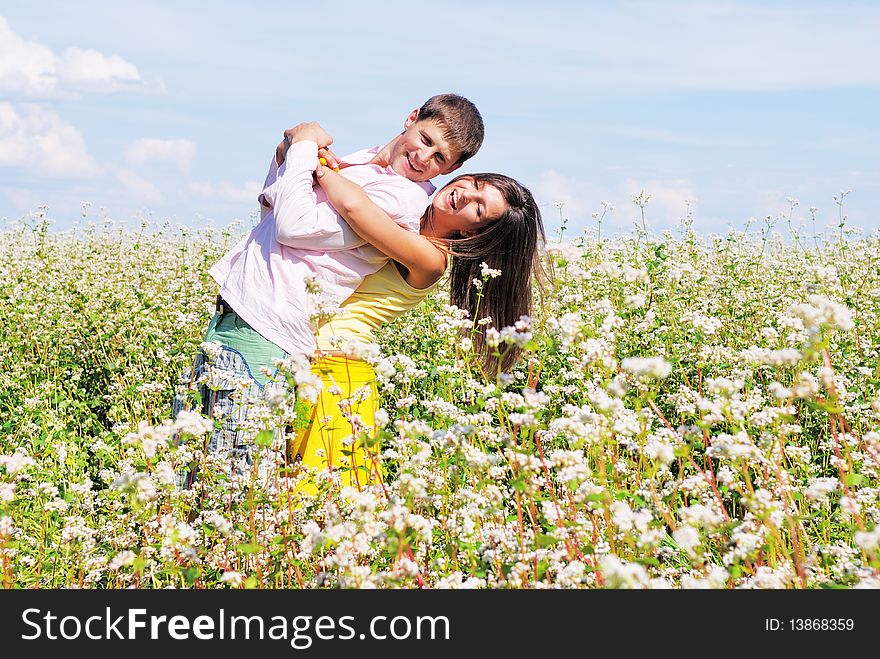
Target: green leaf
(855, 479)
(264, 438)
(544, 540)
(247, 548)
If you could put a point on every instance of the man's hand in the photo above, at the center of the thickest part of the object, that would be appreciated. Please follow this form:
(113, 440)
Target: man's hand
(310, 131)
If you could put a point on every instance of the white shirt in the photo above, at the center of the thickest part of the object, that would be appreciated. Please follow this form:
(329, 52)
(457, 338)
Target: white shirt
(300, 234)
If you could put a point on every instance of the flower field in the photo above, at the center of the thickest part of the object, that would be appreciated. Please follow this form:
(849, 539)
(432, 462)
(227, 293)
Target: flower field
(690, 412)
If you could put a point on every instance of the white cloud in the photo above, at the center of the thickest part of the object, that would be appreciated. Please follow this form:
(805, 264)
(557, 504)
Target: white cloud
(143, 191)
(554, 188)
(36, 139)
(227, 192)
(32, 70)
(179, 152)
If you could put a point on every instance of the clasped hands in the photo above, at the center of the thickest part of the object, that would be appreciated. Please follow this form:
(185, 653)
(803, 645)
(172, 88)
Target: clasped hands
(312, 131)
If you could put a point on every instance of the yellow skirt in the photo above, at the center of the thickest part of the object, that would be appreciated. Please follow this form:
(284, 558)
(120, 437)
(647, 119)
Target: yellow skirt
(341, 424)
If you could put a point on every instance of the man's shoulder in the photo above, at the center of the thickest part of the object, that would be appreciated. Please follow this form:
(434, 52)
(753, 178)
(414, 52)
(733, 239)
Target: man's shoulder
(361, 156)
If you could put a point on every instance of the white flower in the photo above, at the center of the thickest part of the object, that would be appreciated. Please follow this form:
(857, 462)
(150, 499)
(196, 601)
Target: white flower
(688, 538)
(488, 273)
(192, 423)
(231, 578)
(647, 367)
(819, 488)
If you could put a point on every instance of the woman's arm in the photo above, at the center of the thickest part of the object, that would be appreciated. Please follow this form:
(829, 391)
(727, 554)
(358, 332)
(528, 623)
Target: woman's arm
(420, 256)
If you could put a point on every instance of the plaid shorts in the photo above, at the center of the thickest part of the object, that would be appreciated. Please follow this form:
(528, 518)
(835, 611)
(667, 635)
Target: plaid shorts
(240, 406)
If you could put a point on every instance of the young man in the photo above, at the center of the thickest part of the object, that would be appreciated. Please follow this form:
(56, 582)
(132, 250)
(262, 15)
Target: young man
(264, 310)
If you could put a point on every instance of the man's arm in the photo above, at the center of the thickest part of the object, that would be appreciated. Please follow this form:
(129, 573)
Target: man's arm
(300, 221)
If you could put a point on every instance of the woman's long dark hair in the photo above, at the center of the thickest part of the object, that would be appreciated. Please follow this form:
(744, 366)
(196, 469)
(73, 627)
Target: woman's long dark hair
(508, 243)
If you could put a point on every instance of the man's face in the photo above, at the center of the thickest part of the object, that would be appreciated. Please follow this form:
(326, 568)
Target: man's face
(421, 152)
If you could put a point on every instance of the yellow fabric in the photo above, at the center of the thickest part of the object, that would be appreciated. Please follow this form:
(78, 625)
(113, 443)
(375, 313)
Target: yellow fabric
(349, 394)
(381, 297)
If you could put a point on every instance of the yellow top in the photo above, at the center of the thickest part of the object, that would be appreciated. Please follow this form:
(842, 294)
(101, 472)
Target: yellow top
(381, 297)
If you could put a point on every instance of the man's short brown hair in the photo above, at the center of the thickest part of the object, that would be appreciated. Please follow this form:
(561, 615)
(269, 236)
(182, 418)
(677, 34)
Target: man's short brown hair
(461, 122)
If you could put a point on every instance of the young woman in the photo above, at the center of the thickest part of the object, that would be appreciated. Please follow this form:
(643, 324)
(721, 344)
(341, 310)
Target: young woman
(475, 219)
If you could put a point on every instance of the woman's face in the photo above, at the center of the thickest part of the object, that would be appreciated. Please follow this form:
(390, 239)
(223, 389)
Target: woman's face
(464, 205)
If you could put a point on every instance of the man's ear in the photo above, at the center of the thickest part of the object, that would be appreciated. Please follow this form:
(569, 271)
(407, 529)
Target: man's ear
(453, 168)
(411, 119)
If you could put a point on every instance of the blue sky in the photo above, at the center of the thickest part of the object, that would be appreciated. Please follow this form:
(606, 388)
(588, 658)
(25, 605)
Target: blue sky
(171, 110)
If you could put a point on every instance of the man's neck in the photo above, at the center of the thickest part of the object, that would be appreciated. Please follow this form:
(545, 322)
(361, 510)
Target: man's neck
(383, 158)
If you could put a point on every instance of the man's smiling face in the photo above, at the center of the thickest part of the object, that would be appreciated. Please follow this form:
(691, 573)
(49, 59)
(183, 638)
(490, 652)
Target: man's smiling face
(421, 152)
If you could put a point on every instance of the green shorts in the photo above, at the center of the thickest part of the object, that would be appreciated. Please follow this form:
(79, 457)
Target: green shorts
(230, 330)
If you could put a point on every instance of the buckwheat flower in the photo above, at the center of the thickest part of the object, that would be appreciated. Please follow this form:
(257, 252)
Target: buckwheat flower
(716, 578)
(783, 357)
(660, 448)
(166, 474)
(871, 582)
(621, 574)
(635, 301)
(150, 388)
(47, 489)
(147, 437)
(631, 274)
(231, 578)
(705, 324)
(192, 424)
(565, 328)
(145, 489)
(762, 503)
(571, 575)
(768, 578)
(736, 447)
(688, 538)
(7, 492)
(622, 516)
(820, 488)
(122, 559)
(458, 581)
(7, 528)
(798, 454)
(779, 392)
(466, 344)
(823, 312)
(723, 386)
(493, 337)
(849, 506)
(17, 462)
(211, 349)
(75, 530)
(769, 333)
(488, 273)
(807, 386)
(219, 522)
(647, 367)
(535, 400)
